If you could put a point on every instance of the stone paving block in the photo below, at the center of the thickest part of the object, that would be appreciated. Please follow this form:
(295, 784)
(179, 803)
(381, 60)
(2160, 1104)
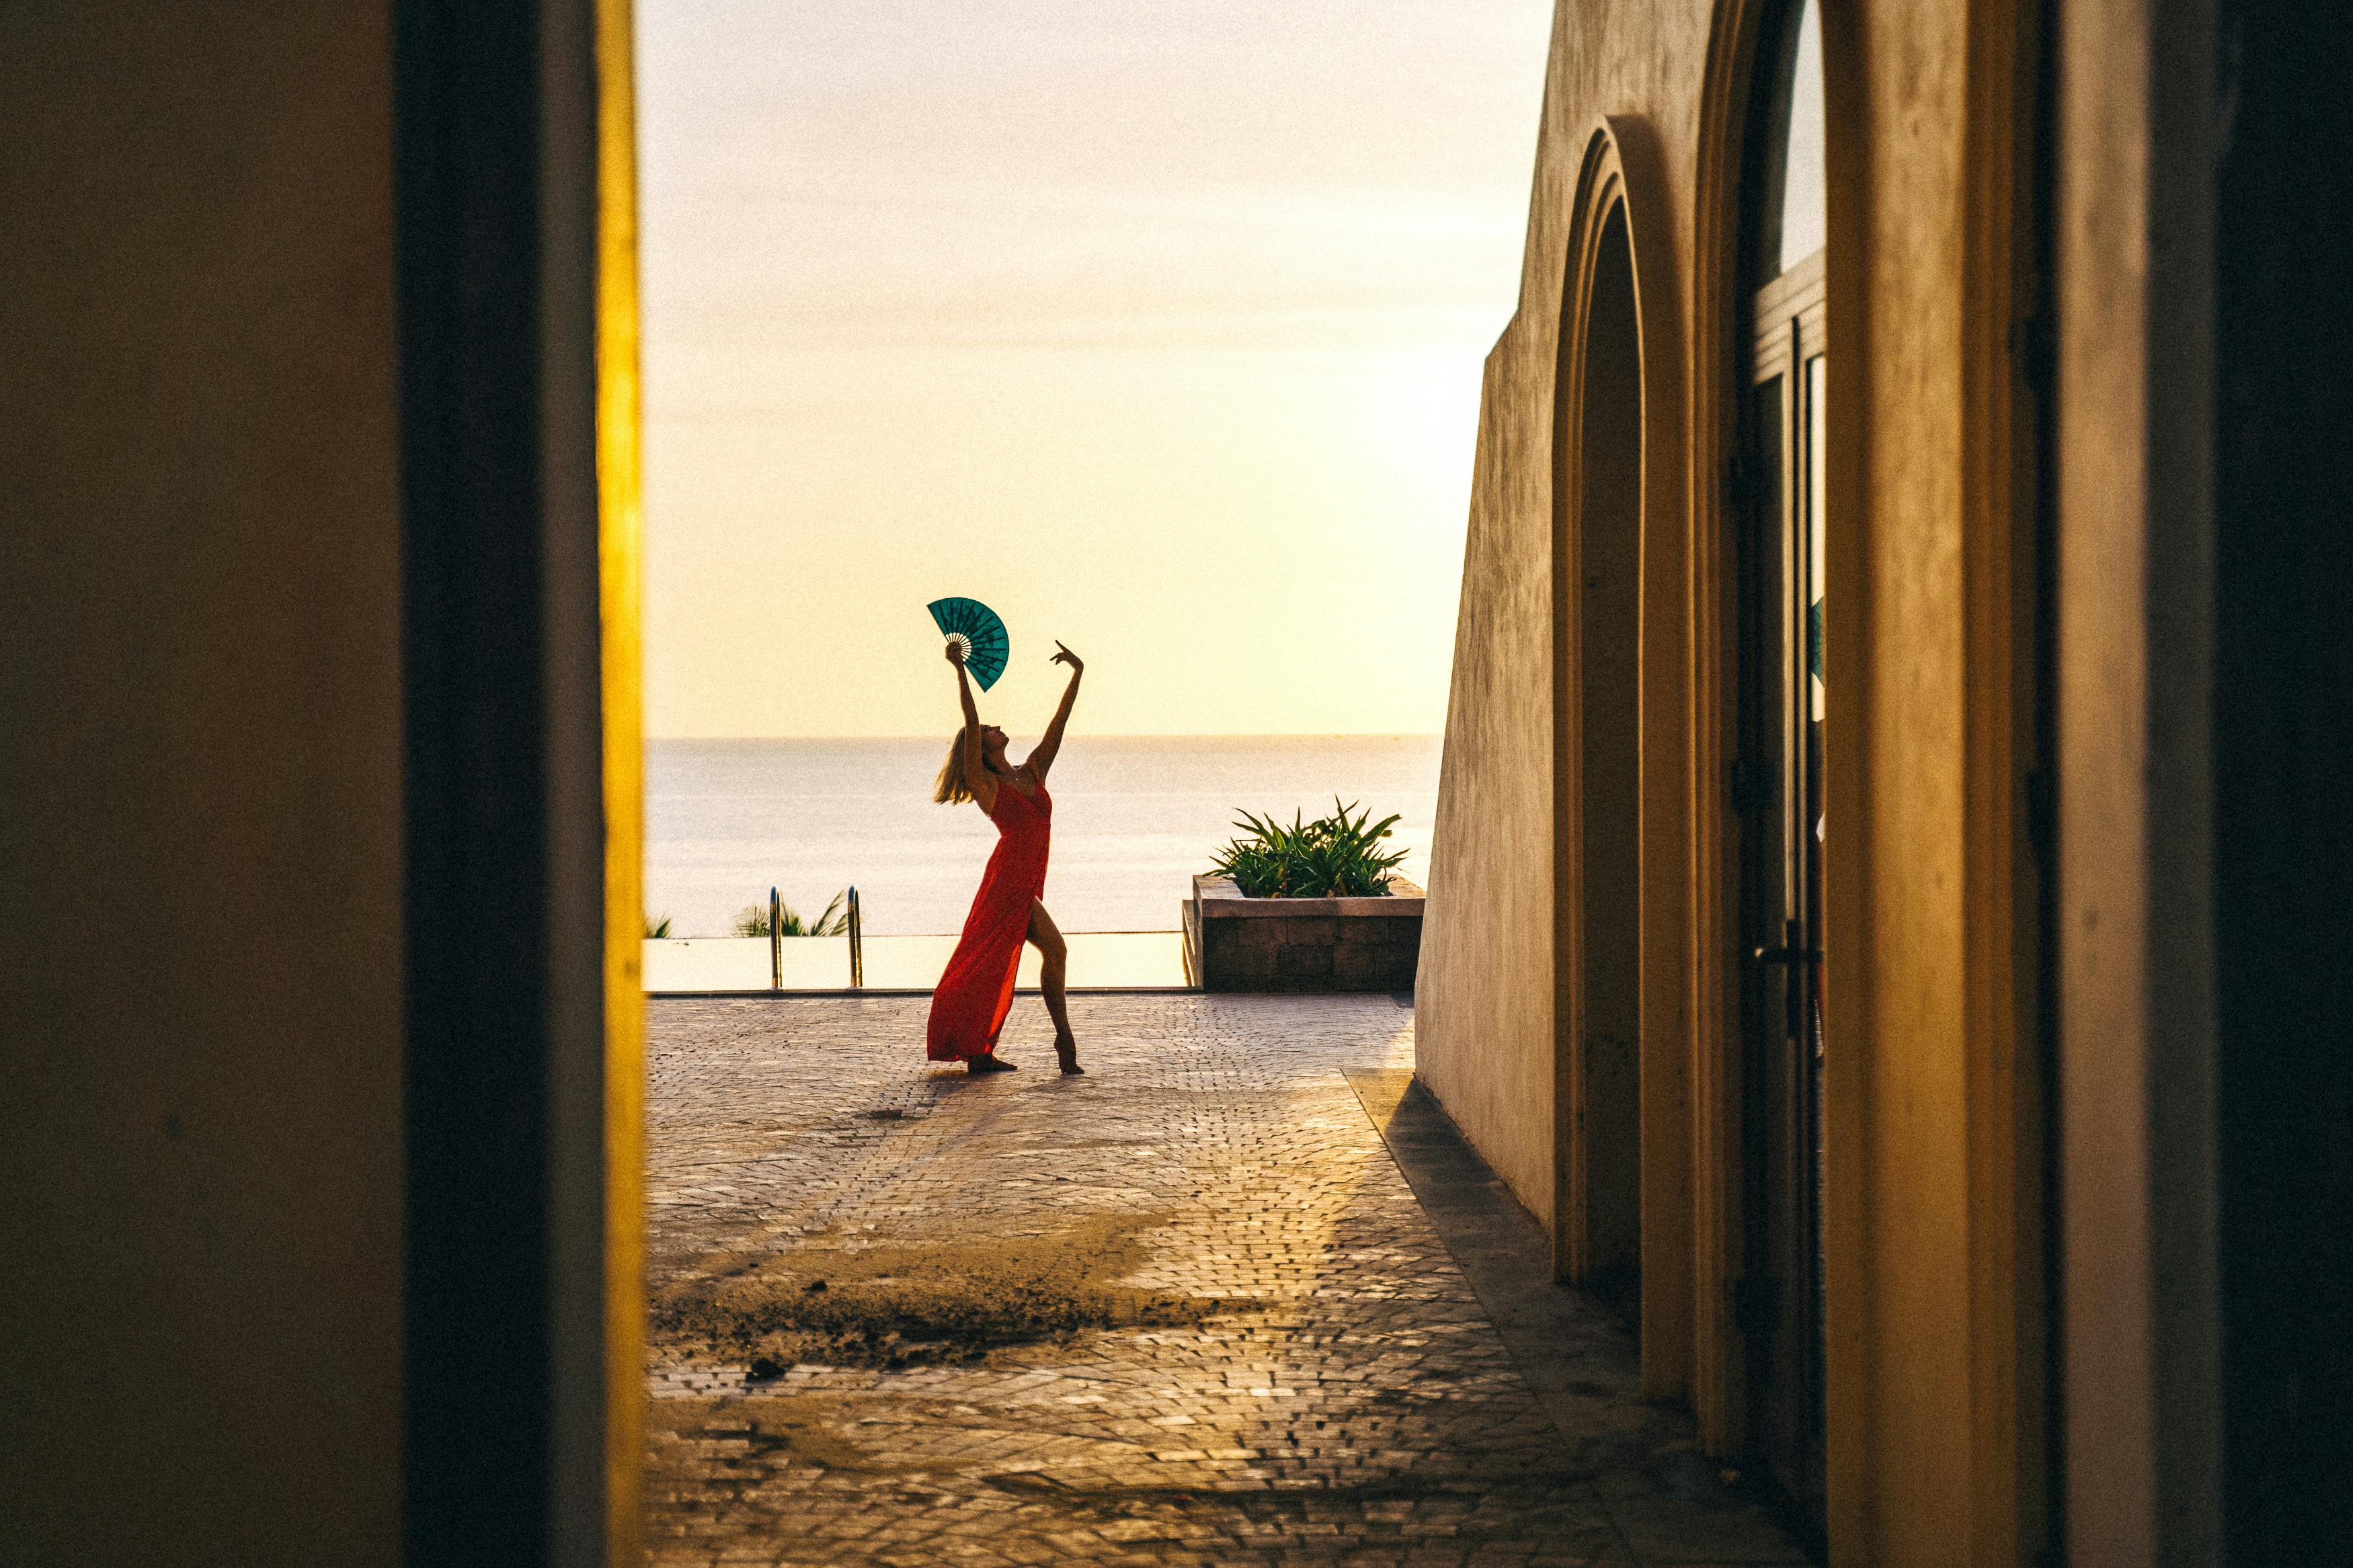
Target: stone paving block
(1339, 1395)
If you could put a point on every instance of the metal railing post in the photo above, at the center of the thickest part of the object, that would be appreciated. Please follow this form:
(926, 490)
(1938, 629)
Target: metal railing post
(857, 944)
(776, 941)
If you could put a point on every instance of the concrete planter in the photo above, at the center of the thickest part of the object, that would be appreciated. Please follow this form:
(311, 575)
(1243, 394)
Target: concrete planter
(1234, 943)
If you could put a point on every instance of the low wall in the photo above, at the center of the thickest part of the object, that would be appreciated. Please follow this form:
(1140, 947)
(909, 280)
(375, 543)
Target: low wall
(1234, 943)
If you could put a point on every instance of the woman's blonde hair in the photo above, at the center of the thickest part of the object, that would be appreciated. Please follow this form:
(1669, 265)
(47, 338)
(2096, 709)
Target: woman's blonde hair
(952, 787)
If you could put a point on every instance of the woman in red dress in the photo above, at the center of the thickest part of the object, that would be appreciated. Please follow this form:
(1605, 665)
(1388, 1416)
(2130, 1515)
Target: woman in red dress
(969, 1005)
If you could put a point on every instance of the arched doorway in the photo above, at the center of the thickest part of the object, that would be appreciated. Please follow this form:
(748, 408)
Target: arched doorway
(1599, 526)
(1779, 763)
(1623, 1188)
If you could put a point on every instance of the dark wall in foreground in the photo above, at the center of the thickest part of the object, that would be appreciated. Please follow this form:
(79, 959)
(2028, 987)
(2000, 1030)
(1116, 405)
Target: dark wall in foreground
(2284, 780)
(200, 786)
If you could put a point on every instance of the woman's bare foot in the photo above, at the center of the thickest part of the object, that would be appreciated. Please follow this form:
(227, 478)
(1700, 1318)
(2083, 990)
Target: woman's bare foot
(977, 1066)
(1066, 1051)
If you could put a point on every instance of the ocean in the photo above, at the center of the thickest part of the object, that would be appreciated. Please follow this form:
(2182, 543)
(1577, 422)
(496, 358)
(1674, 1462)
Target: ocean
(1134, 818)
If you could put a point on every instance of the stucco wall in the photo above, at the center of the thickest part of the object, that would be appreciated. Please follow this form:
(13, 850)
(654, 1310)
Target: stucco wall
(200, 787)
(1924, 1288)
(1483, 1001)
(1900, 1244)
(1484, 1011)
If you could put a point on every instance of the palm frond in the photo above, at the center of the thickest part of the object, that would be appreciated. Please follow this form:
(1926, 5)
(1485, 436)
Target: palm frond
(835, 921)
(1334, 856)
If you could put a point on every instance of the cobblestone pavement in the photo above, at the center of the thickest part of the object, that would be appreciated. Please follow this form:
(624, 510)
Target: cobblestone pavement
(1335, 1392)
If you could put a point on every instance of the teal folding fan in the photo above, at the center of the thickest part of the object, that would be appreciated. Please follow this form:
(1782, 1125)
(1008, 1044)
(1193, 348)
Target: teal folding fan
(975, 625)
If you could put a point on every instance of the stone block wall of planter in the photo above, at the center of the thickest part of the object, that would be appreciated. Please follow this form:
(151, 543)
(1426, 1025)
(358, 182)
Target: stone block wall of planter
(1234, 943)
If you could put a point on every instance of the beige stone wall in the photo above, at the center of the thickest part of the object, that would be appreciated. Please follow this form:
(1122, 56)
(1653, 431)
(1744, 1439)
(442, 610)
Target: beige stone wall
(1486, 993)
(1484, 1001)
(1931, 1165)
(200, 1131)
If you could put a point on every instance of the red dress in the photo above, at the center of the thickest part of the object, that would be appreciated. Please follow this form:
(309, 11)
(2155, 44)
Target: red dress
(969, 1005)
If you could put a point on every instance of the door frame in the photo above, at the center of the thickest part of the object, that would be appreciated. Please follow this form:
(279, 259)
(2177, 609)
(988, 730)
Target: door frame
(2003, 567)
(1623, 167)
(517, 320)
(1782, 783)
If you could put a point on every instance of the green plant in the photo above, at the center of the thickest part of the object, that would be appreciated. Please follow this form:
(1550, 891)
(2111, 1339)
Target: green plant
(1336, 857)
(656, 929)
(753, 921)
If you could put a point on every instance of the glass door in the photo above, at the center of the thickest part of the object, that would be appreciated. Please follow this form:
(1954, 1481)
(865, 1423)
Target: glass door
(1777, 769)
(1784, 989)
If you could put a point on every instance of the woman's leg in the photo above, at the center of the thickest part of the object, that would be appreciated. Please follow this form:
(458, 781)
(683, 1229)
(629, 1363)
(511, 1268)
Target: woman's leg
(1054, 971)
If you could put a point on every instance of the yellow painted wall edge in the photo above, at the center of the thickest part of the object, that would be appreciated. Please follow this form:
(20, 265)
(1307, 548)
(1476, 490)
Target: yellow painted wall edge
(620, 555)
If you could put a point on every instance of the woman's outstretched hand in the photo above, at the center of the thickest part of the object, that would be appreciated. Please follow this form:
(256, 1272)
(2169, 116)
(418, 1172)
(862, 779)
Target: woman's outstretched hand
(1043, 757)
(955, 653)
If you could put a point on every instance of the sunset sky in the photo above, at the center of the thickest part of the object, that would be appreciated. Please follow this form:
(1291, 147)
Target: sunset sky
(1155, 324)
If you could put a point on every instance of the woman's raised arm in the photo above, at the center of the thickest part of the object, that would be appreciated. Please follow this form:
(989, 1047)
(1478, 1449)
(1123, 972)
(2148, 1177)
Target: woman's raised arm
(977, 777)
(1043, 757)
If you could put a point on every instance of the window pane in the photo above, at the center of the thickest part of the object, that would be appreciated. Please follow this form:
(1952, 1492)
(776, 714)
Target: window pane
(1804, 223)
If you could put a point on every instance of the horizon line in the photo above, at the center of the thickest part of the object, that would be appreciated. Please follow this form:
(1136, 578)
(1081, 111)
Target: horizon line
(1157, 735)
